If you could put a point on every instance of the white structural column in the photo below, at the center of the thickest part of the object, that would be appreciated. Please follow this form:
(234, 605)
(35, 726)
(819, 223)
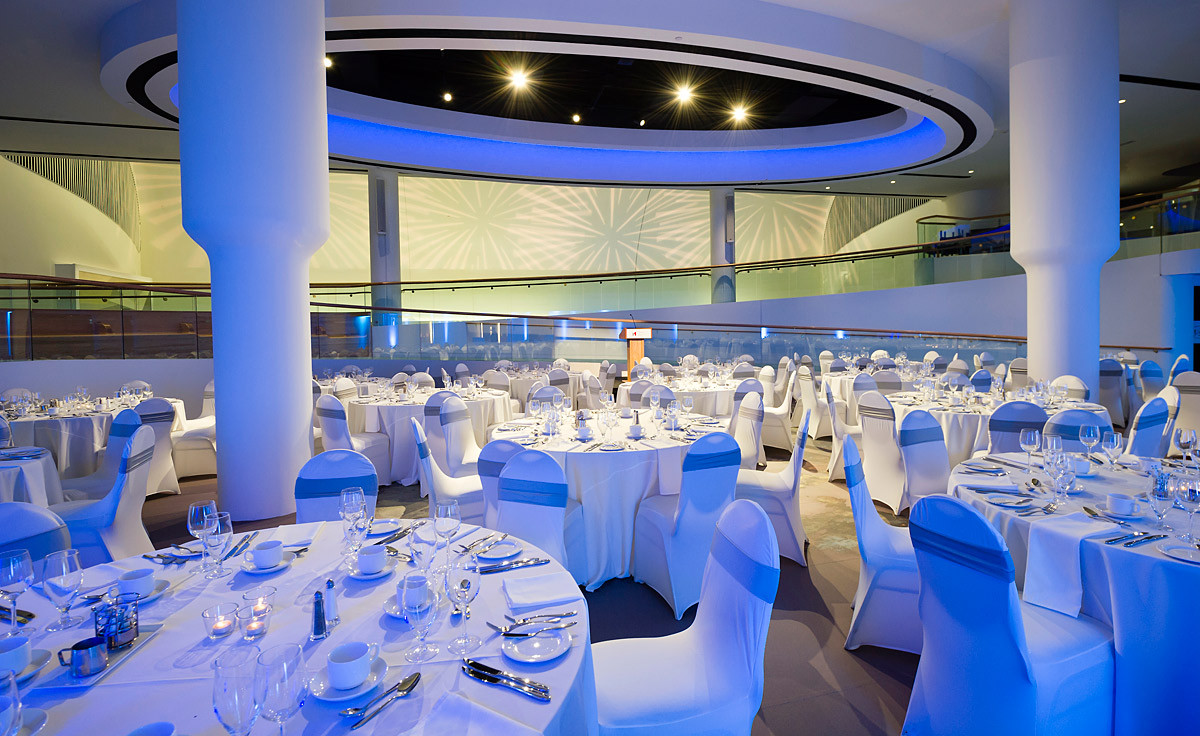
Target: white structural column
(255, 177)
(720, 210)
(384, 193)
(1065, 167)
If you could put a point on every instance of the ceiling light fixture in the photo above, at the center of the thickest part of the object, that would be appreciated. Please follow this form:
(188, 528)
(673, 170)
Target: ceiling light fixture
(447, 97)
(970, 171)
(517, 79)
(893, 181)
(826, 187)
(329, 63)
(641, 123)
(739, 113)
(684, 94)
(1120, 102)
(575, 118)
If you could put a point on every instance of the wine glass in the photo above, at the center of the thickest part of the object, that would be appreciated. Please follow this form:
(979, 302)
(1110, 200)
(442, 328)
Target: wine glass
(422, 548)
(688, 401)
(217, 543)
(558, 400)
(10, 704)
(1031, 439)
(234, 699)
(281, 683)
(1089, 435)
(1064, 473)
(1113, 445)
(61, 577)
(462, 585)
(1187, 495)
(16, 575)
(535, 410)
(1161, 496)
(352, 507)
(1185, 440)
(418, 599)
(199, 524)
(446, 523)
(568, 405)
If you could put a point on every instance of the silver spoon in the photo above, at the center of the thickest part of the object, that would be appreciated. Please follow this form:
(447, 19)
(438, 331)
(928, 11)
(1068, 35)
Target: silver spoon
(402, 685)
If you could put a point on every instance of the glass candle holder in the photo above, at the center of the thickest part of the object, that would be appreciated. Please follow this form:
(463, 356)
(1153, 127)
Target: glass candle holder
(220, 620)
(253, 620)
(261, 599)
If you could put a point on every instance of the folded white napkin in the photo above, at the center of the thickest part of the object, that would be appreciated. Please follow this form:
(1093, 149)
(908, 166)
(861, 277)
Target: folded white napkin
(1052, 571)
(455, 713)
(295, 535)
(540, 590)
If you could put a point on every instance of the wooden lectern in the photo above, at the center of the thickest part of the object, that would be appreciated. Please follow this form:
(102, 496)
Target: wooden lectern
(636, 338)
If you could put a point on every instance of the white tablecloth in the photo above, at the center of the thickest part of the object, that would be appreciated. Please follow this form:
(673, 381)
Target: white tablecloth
(392, 419)
(1149, 600)
(33, 481)
(713, 401)
(611, 485)
(170, 677)
(843, 390)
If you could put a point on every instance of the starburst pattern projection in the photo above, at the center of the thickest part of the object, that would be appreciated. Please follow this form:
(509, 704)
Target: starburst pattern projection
(467, 229)
(772, 226)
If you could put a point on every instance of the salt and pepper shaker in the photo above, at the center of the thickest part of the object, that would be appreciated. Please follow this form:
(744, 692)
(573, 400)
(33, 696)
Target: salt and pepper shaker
(320, 627)
(331, 612)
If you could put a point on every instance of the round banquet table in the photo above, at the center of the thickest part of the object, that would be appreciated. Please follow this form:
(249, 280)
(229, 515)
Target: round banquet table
(520, 384)
(169, 676)
(29, 479)
(1148, 599)
(611, 484)
(714, 400)
(488, 407)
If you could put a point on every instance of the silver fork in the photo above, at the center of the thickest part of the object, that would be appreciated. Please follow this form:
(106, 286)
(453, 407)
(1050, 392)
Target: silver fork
(1049, 508)
(508, 630)
(550, 618)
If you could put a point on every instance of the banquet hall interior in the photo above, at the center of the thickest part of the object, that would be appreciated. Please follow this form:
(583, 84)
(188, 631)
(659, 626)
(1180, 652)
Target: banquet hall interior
(762, 367)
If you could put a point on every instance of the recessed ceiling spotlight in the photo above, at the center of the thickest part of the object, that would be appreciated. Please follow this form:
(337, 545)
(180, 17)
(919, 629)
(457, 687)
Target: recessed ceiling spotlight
(970, 171)
(1120, 102)
(517, 79)
(447, 97)
(329, 63)
(684, 94)
(641, 123)
(739, 113)
(893, 181)
(826, 187)
(575, 118)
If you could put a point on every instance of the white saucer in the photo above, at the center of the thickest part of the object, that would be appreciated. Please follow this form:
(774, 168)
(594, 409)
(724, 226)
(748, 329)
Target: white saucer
(383, 527)
(501, 550)
(540, 648)
(526, 441)
(288, 557)
(610, 447)
(33, 720)
(1006, 501)
(194, 550)
(708, 420)
(392, 608)
(38, 658)
(1185, 552)
(321, 688)
(1102, 507)
(388, 567)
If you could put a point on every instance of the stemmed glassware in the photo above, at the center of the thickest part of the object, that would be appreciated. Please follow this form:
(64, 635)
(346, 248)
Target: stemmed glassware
(352, 506)
(1061, 468)
(418, 599)
(535, 411)
(1161, 495)
(446, 523)
(1031, 439)
(199, 525)
(421, 548)
(1185, 441)
(16, 575)
(1113, 445)
(62, 575)
(10, 704)
(1089, 435)
(234, 699)
(216, 543)
(688, 401)
(1187, 495)
(281, 683)
(462, 585)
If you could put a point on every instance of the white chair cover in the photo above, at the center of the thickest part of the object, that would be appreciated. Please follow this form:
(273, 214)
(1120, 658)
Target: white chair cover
(766, 377)
(534, 504)
(610, 378)
(562, 363)
(955, 381)
(708, 369)
(931, 356)
(992, 665)
(926, 460)
(777, 420)
(987, 361)
(447, 379)
(6, 438)
(409, 368)
(546, 394)
(862, 364)
(707, 679)
(1133, 394)
(940, 365)
(958, 366)
(589, 397)
(1076, 388)
(665, 396)
(982, 380)
(1181, 364)
(322, 479)
(492, 458)
(819, 424)
(779, 495)
(1128, 358)
(672, 533)
(462, 372)
(335, 435)
(560, 379)
(888, 382)
(31, 527)
(344, 389)
(441, 488)
(825, 359)
(400, 377)
(1173, 399)
(863, 383)
(1007, 421)
(667, 370)
(454, 425)
(645, 361)
(1146, 429)
(885, 364)
(421, 379)
(637, 391)
(1066, 424)
(159, 414)
(1188, 385)
(503, 365)
(1151, 376)
(1018, 374)
(208, 409)
(883, 465)
(100, 483)
(499, 381)
(110, 528)
(881, 353)
(841, 432)
(194, 450)
(1111, 392)
(743, 371)
(744, 358)
(885, 603)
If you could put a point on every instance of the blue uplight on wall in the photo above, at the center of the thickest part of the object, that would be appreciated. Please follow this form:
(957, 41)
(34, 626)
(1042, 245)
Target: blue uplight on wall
(840, 334)
(362, 326)
(764, 333)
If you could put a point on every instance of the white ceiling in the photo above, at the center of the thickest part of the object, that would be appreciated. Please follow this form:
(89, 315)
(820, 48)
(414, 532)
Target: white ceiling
(50, 50)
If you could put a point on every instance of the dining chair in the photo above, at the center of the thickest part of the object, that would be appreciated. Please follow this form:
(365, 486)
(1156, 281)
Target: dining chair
(447, 379)
(779, 495)
(672, 533)
(1132, 393)
(766, 377)
(449, 421)
(926, 459)
(159, 414)
(837, 365)
(958, 366)
(441, 488)
(777, 420)
(888, 382)
(1151, 376)
(6, 437)
(409, 368)
(981, 380)
(879, 354)
(987, 361)
(546, 394)
(885, 364)
(1076, 388)
(931, 356)
(989, 659)
(744, 358)
(862, 363)
(940, 365)
(534, 504)
(562, 364)
(1181, 364)
(861, 384)
(1128, 358)
(207, 419)
(560, 379)
(1111, 391)
(885, 602)
(492, 458)
(1066, 424)
(743, 371)
(1007, 421)
(194, 449)
(100, 483)
(954, 381)
(709, 677)
(665, 396)
(747, 430)
(335, 435)
(110, 528)
(421, 379)
(504, 365)
(462, 372)
(322, 479)
(137, 384)
(34, 528)
(589, 396)
(840, 432)
(883, 463)
(825, 359)
(1018, 374)
(1188, 386)
(812, 402)
(637, 391)
(667, 370)
(1147, 428)
(1174, 400)
(499, 381)
(610, 378)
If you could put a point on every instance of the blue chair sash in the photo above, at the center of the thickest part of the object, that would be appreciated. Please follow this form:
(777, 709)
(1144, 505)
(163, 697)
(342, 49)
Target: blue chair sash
(1014, 426)
(1154, 371)
(854, 474)
(327, 487)
(1147, 421)
(158, 416)
(994, 562)
(982, 384)
(450, 417)
(909, 437)
(536, 492)
(1111, 371)
(883, 413)
(331, 413)
(41, 544)
(137, 460)
(706, 460)
(761, 581)
(122, 429)
(422, 450)
(1067, 431)
(433, 410)
(491, 468)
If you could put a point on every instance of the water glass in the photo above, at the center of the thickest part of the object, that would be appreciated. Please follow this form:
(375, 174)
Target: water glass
(418, 599)
(199, 524)
(462, 585)
(688, 402)
(217, 542)
(1031, 439)
(234, 699)
(280, 683)
(62, 575)
(1113, 445)
(1187, 495)
(1089, 435)
(1185, 441)
(16, 575)
(1161, 495)
(446, 523)
(422, 546)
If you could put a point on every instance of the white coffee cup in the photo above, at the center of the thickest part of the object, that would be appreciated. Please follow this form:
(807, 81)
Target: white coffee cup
(626, 412)
(140, 582)
(636, 431)
(15, 654)
(267, 554)
(1120, 503)
(350, 664)
(585, 433)
(372, 559)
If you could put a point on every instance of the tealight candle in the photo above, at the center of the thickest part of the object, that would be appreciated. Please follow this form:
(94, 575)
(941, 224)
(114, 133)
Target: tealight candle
(260, 609)
(220, 620)
(253, 625)
(222, 627)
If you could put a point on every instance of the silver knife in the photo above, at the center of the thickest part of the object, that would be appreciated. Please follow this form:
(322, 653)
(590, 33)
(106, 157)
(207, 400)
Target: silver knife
(481, 667)
(1002, 461)
(505, 566)
(491, 544)
(482, 677)
(1144, 540)
(240, 546)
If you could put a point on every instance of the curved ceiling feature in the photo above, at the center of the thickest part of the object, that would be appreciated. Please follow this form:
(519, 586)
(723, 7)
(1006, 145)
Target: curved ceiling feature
(834, 105)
